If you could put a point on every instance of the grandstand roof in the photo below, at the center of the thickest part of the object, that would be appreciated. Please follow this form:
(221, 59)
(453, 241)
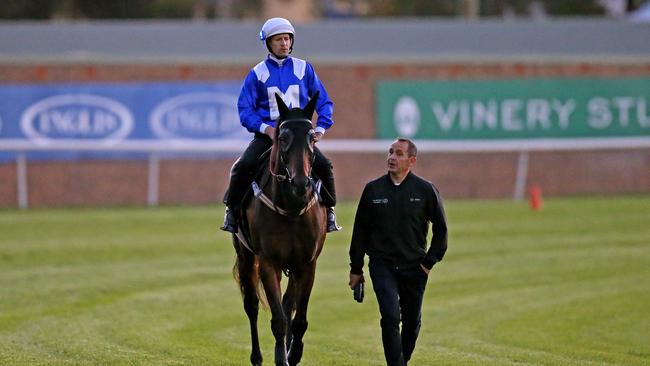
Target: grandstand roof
(365, 41)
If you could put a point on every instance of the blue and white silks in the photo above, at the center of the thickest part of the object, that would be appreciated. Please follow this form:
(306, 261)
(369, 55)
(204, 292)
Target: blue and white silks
(294, 80)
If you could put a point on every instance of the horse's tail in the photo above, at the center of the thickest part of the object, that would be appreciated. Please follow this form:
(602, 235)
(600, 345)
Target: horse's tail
(252, 272)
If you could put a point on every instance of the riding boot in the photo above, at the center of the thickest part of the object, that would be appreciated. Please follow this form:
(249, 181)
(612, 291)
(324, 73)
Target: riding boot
(331, 221)
(239, 180)
(323, 169)
(328, 192)
(230, 221)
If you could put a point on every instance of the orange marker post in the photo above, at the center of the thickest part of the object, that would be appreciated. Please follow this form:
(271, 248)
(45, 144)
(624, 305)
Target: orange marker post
(535, 198)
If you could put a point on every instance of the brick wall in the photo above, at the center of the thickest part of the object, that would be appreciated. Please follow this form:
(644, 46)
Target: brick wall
(351, 87)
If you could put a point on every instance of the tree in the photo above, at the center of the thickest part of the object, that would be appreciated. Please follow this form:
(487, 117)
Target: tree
(19, 9)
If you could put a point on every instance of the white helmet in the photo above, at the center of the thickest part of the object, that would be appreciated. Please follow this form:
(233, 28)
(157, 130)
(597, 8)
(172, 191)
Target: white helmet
(275, 26)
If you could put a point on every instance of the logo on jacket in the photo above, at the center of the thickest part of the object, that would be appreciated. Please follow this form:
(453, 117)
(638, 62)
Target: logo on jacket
(291, 98)
(380, 201)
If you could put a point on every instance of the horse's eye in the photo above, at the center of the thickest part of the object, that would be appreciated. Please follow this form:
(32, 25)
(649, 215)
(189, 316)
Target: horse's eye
(284, 140)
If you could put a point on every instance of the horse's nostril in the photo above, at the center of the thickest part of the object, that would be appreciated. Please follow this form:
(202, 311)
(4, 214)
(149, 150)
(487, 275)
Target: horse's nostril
(301, 184)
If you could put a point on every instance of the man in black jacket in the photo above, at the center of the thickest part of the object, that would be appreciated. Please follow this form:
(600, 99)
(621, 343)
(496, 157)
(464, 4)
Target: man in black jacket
(391, 226)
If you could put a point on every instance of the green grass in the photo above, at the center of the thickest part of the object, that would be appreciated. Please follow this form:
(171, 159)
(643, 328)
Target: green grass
(569, 285)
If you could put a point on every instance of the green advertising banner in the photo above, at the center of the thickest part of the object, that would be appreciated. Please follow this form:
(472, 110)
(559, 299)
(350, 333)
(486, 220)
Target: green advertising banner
(513, 109)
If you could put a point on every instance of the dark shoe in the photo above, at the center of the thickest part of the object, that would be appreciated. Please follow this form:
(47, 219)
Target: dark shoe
(331, 221)
(229, 221)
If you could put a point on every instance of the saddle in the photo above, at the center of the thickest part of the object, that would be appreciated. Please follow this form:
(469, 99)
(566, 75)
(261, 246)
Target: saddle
(259, 177)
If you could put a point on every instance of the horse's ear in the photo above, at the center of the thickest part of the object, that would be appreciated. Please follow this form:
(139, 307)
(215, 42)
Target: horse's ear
(282, 108)
(311, 105)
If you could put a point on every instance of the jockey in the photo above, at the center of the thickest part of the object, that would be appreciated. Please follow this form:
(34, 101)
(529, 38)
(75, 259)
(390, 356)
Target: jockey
(295, 81)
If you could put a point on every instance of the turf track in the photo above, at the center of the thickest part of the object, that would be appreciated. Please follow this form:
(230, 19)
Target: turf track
(569, 285)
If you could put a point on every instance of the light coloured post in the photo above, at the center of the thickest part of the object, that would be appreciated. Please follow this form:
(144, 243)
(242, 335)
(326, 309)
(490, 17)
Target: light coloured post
(522, 173)
(153, 179)
(21, 180)
(471, 9)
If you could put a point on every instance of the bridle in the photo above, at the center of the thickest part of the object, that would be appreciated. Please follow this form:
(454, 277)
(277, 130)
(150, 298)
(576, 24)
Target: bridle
(283, 165)
(287, 176)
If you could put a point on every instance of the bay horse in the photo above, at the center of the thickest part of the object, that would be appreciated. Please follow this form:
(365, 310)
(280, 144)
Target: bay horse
(282, 231)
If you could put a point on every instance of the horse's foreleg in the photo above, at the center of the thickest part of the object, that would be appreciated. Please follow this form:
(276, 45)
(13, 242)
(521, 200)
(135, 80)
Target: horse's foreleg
(271, 280)
(248, 280)
(289, 305)
(304, 285)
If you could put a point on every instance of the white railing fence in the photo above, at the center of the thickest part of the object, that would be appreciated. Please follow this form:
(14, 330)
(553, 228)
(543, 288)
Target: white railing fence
(154, 149)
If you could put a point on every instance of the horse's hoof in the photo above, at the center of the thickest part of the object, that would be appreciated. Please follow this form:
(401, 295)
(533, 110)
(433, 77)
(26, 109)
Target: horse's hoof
(281, 355)
(256, 359)
(295, 354)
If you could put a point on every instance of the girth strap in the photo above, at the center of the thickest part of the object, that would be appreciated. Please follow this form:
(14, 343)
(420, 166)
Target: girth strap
(243, 241)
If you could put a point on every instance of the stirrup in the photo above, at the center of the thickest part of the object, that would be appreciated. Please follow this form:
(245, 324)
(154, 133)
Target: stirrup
(229, 221)
(331, 221)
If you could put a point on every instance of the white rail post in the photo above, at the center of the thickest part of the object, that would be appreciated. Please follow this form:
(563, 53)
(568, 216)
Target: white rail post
(522, 173)
(153, 179)
(21, 180)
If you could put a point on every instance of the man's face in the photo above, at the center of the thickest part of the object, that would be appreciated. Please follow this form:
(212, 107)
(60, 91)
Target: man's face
(399, 162)
(280, 45)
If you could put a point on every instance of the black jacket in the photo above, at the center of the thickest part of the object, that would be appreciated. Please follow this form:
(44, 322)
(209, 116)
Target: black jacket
(392, 221)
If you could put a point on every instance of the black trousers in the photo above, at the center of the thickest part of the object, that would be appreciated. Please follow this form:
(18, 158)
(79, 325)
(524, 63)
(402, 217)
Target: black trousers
(243, 171)
(399, 292)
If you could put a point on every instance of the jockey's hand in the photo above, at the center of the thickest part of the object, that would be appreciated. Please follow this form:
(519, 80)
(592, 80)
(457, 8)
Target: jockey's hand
(318, 136)
(270, 131)
(355, 279)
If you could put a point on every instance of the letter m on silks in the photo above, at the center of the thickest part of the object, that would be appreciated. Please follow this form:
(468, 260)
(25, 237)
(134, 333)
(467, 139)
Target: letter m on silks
(291, 98)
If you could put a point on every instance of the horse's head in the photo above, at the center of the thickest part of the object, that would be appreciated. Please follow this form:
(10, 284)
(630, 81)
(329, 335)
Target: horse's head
(293, 149)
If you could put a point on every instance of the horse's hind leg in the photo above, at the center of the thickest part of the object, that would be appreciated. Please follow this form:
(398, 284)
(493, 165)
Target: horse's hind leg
(248, 281)
(304, 285)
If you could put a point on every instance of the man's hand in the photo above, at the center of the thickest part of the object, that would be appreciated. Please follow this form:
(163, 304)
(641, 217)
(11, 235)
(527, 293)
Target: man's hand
(425, 269)
(355, 279)
(318, 136)
(270, 131)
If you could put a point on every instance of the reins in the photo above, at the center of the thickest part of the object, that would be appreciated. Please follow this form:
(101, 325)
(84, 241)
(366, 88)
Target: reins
(286, 177)
(283, 177)
(280, 177)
